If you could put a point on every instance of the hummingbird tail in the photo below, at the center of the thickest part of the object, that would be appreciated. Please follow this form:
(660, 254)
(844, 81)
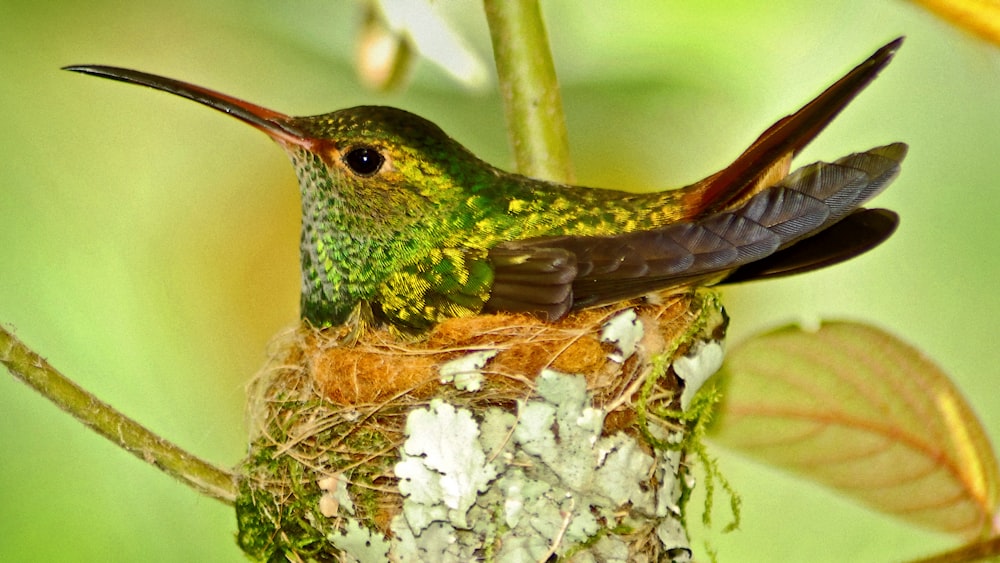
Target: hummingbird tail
(771, 154)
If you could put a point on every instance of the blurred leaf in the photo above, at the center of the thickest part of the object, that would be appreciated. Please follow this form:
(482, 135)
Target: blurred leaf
(383, 58)
(435, 38)
(866, 414)
(980, 17)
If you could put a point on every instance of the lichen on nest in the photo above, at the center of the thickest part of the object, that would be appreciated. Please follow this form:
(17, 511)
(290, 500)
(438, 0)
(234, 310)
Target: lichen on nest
(331, 444)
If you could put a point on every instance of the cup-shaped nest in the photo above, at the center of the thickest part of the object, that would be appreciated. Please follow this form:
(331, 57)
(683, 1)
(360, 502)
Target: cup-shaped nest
(497, 437)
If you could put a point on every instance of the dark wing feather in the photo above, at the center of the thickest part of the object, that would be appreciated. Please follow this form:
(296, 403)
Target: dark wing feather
(859, 232)
(532, 279)
(553, 274)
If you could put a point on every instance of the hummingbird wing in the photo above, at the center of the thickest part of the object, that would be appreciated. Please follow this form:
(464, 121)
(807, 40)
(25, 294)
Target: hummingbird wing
(555, 274)
(536, 279)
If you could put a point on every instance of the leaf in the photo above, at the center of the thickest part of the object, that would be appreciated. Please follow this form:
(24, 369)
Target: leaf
(854, 408)
(980, 17)
(435, 38)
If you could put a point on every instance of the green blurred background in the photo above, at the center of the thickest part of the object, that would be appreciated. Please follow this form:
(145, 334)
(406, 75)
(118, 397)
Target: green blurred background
(149, 246)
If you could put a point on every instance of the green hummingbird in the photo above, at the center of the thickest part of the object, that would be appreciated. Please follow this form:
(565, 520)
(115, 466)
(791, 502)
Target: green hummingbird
(402, 225)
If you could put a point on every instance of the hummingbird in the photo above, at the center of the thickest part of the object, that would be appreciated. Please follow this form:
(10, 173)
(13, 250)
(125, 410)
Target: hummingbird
(405, 227)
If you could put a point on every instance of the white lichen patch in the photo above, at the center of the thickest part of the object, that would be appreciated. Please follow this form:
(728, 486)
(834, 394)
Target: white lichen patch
(443, 466)
(695, 367)
(531, 485)
(624, 331)
(672, 535)
(359, 544)
(466, 371)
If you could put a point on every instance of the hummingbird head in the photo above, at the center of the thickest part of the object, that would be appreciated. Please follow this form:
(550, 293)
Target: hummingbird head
(376, 154)
(379, 185)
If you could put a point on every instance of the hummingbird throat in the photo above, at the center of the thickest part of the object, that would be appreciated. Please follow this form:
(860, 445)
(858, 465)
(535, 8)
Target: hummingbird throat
(335, 247)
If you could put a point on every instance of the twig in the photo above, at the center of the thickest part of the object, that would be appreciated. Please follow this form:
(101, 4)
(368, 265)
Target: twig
(128, 434)
(536, 126)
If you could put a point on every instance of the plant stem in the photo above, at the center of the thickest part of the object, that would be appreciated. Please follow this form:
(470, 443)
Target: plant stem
(536, 126)
(128, 434)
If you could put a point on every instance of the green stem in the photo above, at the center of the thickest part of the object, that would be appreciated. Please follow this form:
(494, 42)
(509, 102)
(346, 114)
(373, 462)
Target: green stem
(536, 125)
(128, 434)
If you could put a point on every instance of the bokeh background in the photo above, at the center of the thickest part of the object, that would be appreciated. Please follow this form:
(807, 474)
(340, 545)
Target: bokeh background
(149, 246)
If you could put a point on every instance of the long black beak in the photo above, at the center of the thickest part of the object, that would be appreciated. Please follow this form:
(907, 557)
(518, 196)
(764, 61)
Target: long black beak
(276, 125)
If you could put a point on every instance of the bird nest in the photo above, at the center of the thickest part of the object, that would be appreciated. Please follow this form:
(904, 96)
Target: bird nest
(495, 437)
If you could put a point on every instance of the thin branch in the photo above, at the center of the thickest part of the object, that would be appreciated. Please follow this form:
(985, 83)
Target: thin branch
(128, 434)
(536, 126)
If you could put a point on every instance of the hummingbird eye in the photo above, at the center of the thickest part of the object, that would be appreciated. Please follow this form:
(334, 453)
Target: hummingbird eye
(364, 161)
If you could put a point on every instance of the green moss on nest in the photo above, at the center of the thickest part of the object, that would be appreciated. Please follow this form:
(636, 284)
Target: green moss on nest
(278, 508)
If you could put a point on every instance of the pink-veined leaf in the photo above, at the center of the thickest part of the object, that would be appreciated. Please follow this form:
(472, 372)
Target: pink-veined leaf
(860, 411)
